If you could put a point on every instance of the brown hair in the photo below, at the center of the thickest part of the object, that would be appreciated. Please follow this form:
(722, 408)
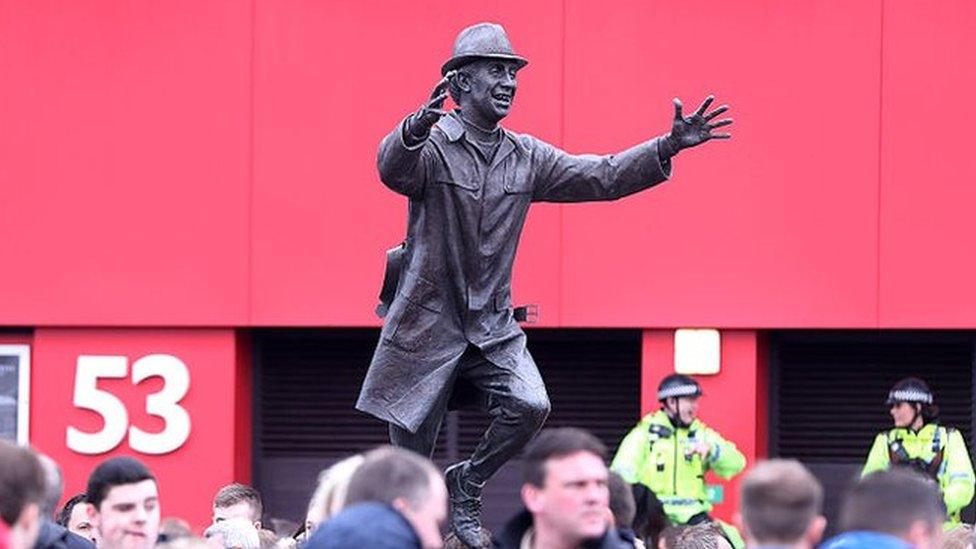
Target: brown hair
(232, 494)
(555, 444)
(779, 500)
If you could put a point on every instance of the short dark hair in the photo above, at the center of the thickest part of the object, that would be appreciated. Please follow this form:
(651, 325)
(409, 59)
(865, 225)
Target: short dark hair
(890, 501)
(390, 473)
(622, 503)
(554, 444)
(779, 499)
(64, 515)
(233, 494)
(115, 472)
(22, 481)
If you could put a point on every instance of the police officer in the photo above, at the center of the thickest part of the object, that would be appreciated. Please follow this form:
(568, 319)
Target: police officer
(670, 450)
(918, 442)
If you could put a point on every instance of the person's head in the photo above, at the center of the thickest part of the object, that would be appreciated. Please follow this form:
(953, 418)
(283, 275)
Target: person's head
(679, 395)
(22, 487)
(407, 482)
(124, 502)
(959, 537)
(898, 502)
(330, 494)
(234, 533)
(911, 403)
(74, 517)
(53, 486)
(706, 535)
(484, 84)
(565, 485)
(622, 505)
(780, 504)
(172, 528)
(238, 501)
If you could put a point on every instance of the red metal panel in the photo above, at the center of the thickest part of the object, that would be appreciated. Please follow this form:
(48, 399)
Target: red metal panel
(776, 227)
(124, 162)
(734, 400)
(333, 78)
(188, 476)
(928, 167)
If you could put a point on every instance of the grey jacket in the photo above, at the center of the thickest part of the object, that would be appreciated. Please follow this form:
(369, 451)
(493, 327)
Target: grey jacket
(464, 221)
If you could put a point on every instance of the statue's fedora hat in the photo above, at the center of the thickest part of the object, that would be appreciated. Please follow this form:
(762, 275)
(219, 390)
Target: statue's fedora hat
(484, 40)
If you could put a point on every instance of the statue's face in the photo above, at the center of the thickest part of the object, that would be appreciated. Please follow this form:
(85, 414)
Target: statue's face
(490, 88)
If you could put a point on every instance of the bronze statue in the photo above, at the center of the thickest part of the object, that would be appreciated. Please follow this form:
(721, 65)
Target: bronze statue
(451, 336)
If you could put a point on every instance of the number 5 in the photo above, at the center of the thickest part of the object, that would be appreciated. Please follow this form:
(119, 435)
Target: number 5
(105, 404)
(164, 404)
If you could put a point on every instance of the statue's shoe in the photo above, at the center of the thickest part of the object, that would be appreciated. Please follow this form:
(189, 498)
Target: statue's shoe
(465, 507)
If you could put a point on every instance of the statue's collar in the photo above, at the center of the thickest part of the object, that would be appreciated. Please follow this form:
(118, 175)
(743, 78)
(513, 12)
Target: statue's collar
(453, 126)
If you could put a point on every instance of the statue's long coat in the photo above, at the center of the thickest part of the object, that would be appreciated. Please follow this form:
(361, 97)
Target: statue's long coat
(464, 221)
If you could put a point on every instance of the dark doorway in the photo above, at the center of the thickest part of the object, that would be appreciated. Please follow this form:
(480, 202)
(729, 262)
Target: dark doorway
(828, 389)
(306, 383)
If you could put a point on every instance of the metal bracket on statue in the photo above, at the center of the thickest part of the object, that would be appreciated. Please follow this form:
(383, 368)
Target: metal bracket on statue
(527, 313)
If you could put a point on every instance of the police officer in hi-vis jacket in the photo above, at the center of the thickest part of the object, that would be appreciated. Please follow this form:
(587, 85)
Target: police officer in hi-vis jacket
(917, 441)
(670, 450)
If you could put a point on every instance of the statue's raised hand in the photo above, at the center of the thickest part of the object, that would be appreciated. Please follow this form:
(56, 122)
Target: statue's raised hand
(697, 128)
(431, 111)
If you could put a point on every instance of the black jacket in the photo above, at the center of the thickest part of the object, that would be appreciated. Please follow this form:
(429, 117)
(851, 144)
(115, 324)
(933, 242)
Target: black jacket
(55, 536)
(511, 536)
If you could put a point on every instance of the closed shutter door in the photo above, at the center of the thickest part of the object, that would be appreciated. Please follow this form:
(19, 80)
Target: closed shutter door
(307, 382)
(828, 394)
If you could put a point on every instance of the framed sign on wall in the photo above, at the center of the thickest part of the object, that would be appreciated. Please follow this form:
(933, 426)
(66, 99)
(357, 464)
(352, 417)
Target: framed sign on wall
(14, 392)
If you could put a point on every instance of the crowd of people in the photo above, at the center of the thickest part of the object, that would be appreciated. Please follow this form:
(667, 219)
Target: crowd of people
(394, 498)
(917, 479)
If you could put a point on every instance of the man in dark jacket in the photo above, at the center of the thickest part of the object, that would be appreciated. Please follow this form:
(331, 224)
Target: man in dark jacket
(566, 496)
(451, 329)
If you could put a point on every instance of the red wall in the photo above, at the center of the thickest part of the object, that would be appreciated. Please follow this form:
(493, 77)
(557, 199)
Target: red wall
(212, 164)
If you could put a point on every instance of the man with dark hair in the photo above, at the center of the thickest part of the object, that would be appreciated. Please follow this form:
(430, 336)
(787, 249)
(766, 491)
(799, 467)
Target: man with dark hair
(124, 502)
(451, 336)
(22, 488)
(396, 499)
(896, 509)
(74, 517)
(54, 535)
(565, 495)
(780, 504)
(238, 501)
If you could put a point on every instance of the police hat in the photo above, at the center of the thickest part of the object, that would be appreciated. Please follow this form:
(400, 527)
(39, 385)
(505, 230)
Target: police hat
(678, 385)
(484, 40)
(910, 389)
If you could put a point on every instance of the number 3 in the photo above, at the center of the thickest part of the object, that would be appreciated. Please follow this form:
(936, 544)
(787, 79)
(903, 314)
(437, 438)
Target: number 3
(164, 404)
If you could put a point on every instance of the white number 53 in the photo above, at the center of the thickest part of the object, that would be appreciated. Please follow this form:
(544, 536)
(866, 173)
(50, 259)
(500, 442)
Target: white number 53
(164, 404)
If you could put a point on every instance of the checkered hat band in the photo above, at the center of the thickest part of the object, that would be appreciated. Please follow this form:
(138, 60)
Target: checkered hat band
(910, 395)
(678, 391)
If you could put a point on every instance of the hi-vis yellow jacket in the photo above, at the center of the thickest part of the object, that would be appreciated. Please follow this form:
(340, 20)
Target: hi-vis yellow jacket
(659, 456)
(935, 450)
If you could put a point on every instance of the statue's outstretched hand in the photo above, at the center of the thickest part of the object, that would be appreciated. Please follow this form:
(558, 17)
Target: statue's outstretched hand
(697, 128)
(431, 111)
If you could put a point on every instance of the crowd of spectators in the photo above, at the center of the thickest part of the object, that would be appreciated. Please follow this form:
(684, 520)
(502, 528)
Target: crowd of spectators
(393, 498)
